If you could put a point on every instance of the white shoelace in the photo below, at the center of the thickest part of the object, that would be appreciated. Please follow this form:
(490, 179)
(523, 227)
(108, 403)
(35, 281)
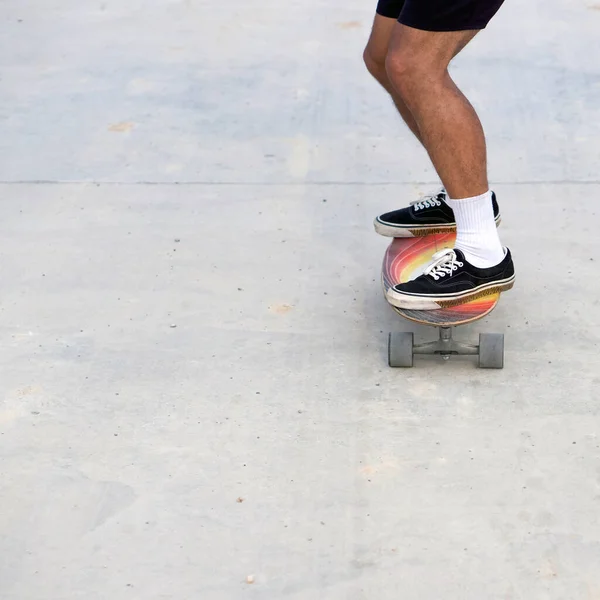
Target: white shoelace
(444, 263)
(428, 201)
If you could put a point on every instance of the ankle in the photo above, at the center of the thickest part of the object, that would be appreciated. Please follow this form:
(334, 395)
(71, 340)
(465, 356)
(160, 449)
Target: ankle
(476, 230)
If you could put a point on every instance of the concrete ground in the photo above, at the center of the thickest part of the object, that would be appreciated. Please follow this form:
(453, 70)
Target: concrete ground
(195, 400)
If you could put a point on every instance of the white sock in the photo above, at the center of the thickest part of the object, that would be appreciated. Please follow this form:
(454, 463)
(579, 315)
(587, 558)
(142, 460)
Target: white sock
(476, 231)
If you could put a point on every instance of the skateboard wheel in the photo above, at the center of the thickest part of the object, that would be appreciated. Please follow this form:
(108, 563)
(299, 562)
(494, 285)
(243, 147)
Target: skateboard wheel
(491, 350)
(400, 349)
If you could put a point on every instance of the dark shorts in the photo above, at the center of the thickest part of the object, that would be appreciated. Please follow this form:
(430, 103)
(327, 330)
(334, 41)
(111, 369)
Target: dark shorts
(440, 15)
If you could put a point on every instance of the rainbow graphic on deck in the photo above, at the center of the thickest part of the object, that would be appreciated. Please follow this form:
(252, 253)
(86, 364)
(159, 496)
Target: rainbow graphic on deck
(407, 258)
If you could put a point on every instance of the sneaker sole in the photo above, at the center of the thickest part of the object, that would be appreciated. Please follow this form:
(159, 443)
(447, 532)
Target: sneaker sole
(397, 231)
(409, 301)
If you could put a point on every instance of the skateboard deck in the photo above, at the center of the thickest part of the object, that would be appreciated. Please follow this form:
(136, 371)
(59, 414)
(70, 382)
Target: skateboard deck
(406, 258)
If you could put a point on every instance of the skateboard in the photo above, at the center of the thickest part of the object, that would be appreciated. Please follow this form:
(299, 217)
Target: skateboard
(405, 259)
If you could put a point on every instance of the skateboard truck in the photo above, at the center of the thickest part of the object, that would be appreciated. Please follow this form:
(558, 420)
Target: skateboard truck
(490, 350)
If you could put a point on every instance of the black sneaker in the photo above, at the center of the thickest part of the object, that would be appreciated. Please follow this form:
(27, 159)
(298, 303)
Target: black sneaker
(428, 215)
(450, 280)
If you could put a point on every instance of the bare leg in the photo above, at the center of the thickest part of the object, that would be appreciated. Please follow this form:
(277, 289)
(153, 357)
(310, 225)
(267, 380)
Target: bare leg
(375, 55)
(417, 67)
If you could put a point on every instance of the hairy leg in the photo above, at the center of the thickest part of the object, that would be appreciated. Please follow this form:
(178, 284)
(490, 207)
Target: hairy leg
(417, 67)
(375, 55)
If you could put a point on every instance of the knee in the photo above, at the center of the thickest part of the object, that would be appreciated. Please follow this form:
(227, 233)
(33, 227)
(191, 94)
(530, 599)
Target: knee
(408, 74)
(375, 64)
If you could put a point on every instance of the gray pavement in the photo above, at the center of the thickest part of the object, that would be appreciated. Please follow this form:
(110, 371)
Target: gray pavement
(194, 395)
